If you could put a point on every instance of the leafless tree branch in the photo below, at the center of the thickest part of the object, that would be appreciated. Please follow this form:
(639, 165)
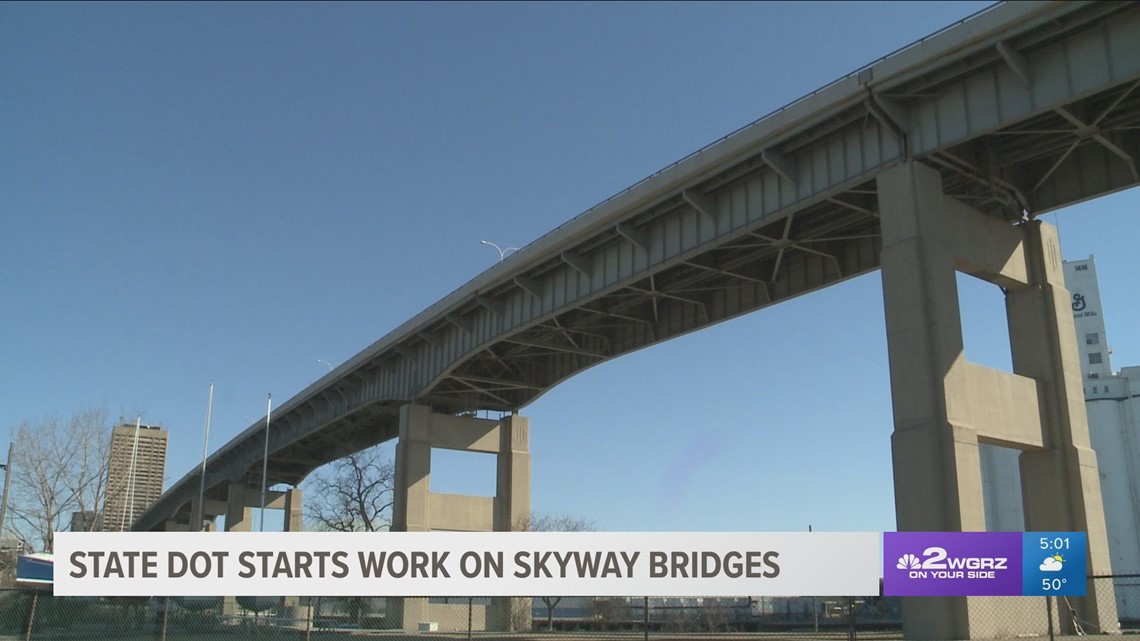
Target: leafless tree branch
(353, 494)
(59, 467)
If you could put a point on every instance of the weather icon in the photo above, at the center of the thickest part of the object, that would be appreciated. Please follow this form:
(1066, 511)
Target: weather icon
(1052, 563)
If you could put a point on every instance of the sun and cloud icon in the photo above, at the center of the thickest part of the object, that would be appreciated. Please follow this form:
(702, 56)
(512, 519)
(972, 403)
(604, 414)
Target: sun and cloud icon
(907, 562)
(1052, 563)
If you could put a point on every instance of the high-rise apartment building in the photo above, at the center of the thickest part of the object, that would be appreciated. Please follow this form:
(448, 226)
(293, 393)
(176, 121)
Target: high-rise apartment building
(135, 473)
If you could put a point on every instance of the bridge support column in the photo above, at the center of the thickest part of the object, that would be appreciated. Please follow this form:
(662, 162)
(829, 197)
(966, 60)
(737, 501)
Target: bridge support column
(206, 514)
(291, 609)
(944, 406)
(1061, 482)
(239, 518)
(512, 512)
(239, 509)
(417, 509)
(293, 510)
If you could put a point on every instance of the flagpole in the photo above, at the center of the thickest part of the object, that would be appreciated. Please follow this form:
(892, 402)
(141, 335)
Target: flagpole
(265, 458)
(4, 501)
(201, 511)
(131, 477)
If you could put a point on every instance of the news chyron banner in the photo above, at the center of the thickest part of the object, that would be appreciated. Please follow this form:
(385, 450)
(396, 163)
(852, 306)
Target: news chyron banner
(466, 563)
(984, 563)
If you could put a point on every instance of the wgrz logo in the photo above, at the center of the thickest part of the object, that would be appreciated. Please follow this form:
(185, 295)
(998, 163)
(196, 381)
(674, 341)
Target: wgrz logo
(937, 564)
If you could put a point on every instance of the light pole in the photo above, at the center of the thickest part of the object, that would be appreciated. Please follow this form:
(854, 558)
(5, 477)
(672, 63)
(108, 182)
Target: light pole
(502, 252)
(321, 360)
(200, 514)
(265, 459)
(134, 471)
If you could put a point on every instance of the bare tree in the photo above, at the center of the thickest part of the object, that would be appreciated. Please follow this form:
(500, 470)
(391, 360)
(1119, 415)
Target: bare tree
(553, 522)
(60, 467)
(353, 494)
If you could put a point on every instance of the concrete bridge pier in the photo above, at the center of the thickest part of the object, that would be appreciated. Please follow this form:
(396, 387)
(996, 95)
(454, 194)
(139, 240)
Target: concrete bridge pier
(1061, 481)
(945, 406)
(242, 499)
(417, 509)
(292, 501)
(239, 518)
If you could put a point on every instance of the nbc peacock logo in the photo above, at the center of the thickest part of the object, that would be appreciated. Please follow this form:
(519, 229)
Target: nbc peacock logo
(908, 562)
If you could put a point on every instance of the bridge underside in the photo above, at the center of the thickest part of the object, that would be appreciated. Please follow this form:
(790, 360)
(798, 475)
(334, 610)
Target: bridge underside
(1038, 111)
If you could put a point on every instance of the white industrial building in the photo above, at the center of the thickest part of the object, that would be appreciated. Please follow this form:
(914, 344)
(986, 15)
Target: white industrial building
(1112, 402)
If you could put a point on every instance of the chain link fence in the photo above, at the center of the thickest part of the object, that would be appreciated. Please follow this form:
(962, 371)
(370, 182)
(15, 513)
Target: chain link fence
(27, 615)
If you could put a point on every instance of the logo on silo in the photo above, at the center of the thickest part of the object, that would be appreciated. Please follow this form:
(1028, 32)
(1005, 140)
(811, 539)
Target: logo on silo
(1078, 302)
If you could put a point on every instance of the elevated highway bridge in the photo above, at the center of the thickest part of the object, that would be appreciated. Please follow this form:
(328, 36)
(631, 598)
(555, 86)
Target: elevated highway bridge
(1015, 111)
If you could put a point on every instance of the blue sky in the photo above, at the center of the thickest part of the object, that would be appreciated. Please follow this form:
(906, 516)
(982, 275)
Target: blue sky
(230, 192)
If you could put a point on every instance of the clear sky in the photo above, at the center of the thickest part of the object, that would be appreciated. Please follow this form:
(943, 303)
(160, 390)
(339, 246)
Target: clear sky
(231, 192)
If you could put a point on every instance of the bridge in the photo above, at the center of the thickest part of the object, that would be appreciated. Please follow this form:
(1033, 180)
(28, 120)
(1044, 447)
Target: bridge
(936, 158)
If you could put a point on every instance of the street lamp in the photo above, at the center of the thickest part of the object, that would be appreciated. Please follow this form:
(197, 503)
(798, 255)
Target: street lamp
(321, 360)
(502, 252)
